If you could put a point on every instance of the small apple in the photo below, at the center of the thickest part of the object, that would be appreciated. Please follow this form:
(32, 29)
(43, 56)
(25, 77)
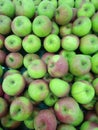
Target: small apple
(94, 20)
(66, 127)
(13, 43)
(82, 92)
(94, 63)
(95, 85)
(21, 108)
(2, 57)
(1, 41)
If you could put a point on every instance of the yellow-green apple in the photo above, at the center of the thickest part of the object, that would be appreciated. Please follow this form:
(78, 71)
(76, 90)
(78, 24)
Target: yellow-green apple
(10, 85)
(3, 107)
(66, 127)
(2, 57)
(9, 123)
(95, 85)
(69, 2)
(1, 41)
(5, 25)
(31, 43)
(38, 90)
(21, 26)
(94, 20)
(52, 43)
(7, 8)
(89, 125)
(1, 71)
(37, 69)
(81, 26)
(45, 120)
(79, 65)
(55, 28)
(86, 9)
(82, 92)
(14, 60)
(1, 91)
(94, 63)
(21, 108)
(59, 87)
(66, 109)
(78, 3)
(57, 66)
(41, 26)
(54, 2)
(24, 8)
(91, 45)
(63, 14)
(70, 42)
(28, 58)
(95, 2)
(68, 77)
(13, 43)
(46, 8)
(96, 108)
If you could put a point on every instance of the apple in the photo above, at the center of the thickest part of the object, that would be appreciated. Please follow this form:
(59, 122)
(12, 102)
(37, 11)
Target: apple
(3, 107)
(28, 58)
(13, 43)
(94, 63)
(63, 14)
(24, 8)
(45, 120)
(10, 85)
(94, 20)
(55, 28)
(66, 127)
(1, 91)
(78, 3)
(10, 72)
(31, 43)
(67, 111)
(38, 90)
(82, 92)
(54, 2)
(68, 77)
(37, 69)
(95, 2)
(69, 2)
(46, 8)
(5, 24)
(81, 26)
(1, 71)
(21, 26)
(52, 43)
(21, 108)
(36, 2)
(2, 57)
(9, 123)
(59, 87)
(96, 108)
(79, 65)
(14, 60)
(54, 66)
(75, 10)
(1, 41)
(70, 42)
(51, 99)
(42, 26)
(86, 9)
(7, 8)
(95, 85)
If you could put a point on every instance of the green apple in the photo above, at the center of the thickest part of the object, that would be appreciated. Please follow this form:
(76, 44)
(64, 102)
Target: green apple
(21, 26)
(81, 26)
(31, 43)
(5, 24)
(95, 2)
(95, 85)
(42, 26)
(7, 8)
(52, 43)
(54, 2)
(38, 90)
(21, 108)
(87, 9)
(10, 85)
(82, 92)
(1, 71)
(10, 72)
(55, 28)
(66, 127)
(94, 22)
(24, 8)
(69, 2)
(94, 63)
(36, 2)
(13, 43)
(78, 3)
(70, 42)
(1, 41)
(46, 8)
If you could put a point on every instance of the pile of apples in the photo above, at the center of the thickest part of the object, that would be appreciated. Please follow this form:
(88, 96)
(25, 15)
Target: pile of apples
(49, 64)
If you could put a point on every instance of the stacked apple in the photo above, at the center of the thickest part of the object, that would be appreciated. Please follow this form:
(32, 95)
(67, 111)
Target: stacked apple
(49, 64)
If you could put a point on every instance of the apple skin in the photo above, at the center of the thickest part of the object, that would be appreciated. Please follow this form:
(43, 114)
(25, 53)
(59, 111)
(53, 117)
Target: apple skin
(94, 22)
(83, 94)
(94, 63)
(42, 26)
(7, 8)
(95, 2)
(95, 85)
(2, 57)
(10, 72)
(38, 90)
(9, 123)
(66, 127)
(24, 8)
(63, 14)
(5, 25)
(10, 85)
(21, 108)
(79, 65)
(20, 24)
(1, 41)
(66, 109)
(81, 26)
(54, 66)
(37, 69)
(1, 91)
(54, 2)
(36, 2)
(45, 120)
(14, 60)
(68, 77)
(4, 107)
(55, 28)
(1, 71)
(69, 2)
(78, 3)
(59, 87)
(13, 43)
